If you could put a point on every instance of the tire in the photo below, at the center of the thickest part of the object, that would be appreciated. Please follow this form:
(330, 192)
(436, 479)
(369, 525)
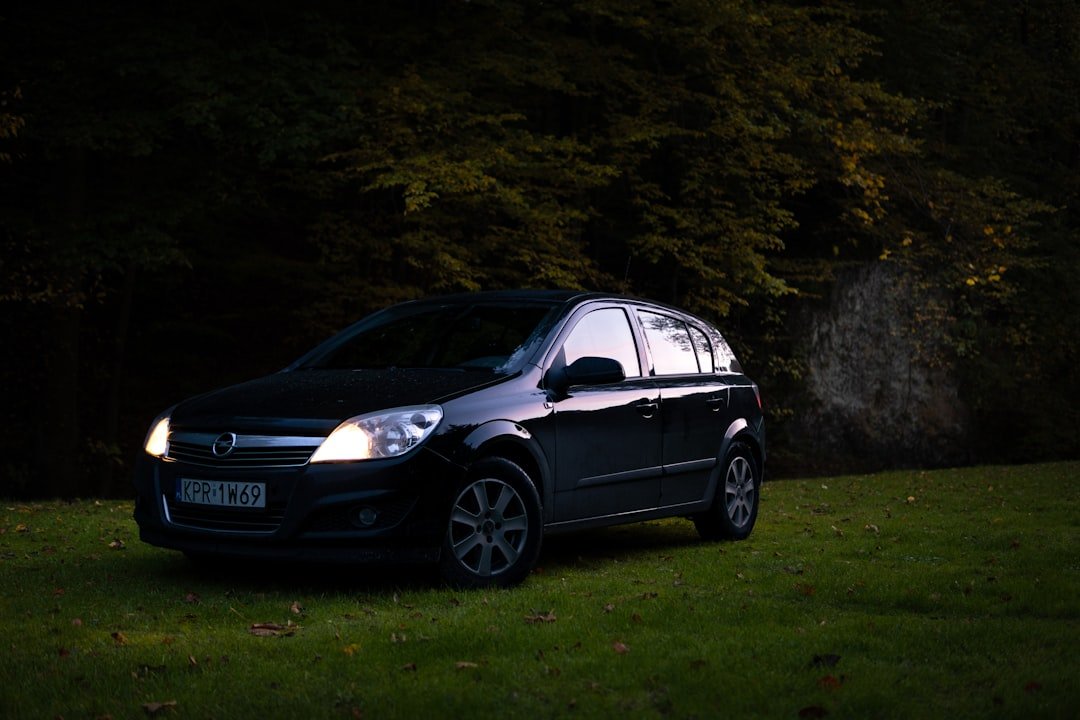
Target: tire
(494, 527)
(735, 507)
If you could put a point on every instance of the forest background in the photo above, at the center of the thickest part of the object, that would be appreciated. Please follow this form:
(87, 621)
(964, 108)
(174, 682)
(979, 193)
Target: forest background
(191, 195)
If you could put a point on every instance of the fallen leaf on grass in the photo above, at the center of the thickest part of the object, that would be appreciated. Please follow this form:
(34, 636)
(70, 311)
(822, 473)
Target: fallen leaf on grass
(409, 667)
(609, 608)
(273, 630)
(117, 545)
(620, 647)
(296, 608)
(831, 682)
(192, 598)
(192, 661)
(538, 618)
(465, 664)
(805, 589)
(827, 660)
(153, 708)
(351, 649)
(20, 528)
(119, 638)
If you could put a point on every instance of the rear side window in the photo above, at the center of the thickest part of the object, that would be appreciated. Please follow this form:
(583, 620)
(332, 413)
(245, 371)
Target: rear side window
(604, 333)
(703, 349)
(669, 341)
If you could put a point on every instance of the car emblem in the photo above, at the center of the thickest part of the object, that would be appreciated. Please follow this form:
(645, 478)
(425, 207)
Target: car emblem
(224, 445)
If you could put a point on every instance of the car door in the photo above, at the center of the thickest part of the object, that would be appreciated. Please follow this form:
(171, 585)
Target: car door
(694, 404)
(608, 436)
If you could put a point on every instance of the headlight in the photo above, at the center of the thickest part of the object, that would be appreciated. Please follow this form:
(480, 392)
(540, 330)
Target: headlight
(157, 440)
(379, 435)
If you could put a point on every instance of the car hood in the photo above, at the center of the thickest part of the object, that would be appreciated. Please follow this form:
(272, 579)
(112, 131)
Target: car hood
(314, 402)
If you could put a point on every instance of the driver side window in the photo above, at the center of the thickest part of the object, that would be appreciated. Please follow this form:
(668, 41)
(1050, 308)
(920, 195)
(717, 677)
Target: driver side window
(604, 333)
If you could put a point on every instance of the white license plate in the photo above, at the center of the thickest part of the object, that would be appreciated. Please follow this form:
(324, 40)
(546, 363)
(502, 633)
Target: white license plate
(221, 493)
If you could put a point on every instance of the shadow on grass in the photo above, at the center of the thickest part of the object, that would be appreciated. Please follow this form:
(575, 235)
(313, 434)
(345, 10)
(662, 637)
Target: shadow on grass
(596, 548)
(586, 550)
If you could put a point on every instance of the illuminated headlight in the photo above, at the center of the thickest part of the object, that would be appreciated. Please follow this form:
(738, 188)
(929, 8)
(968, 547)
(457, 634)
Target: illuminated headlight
(379, 435)
(157, 440)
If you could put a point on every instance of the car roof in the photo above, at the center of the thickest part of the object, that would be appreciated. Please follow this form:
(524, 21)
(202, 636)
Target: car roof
(555, 296)
(558, 297)
(530, 294)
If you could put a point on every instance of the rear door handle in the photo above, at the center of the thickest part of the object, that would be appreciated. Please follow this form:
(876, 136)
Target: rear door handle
(647, 408)
(715, 403)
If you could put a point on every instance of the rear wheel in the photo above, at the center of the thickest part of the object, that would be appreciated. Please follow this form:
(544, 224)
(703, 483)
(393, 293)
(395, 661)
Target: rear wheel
(494, 529)
(734, 510)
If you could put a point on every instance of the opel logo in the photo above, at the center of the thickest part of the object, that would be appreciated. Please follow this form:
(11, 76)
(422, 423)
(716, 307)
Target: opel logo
(224, 445)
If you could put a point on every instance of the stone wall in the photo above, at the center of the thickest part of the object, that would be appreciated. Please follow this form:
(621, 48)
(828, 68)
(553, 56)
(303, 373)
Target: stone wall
(878, 395)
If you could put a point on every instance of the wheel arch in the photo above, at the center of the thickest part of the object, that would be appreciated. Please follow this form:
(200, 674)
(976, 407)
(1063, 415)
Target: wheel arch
(510, 440)
(739, 431)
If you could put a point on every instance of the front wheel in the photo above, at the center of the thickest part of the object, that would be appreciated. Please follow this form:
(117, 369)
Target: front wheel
(735, 508)
(494, 529)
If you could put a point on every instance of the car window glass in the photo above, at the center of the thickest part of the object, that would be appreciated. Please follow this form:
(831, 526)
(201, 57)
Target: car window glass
(703, 349)
(478, 337)
(604, 333)
(672, 351)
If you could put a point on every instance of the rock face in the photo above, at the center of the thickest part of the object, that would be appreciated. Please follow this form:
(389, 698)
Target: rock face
(876, 395)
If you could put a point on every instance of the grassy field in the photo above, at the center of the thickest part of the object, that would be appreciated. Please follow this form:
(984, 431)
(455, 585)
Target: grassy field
(946, 594)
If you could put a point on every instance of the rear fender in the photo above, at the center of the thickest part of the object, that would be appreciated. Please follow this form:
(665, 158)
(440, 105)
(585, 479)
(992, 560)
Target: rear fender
(741, 431)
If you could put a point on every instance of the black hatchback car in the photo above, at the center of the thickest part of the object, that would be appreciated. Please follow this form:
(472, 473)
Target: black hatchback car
(459, 430)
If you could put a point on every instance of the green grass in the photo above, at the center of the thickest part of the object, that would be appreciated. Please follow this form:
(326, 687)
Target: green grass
(915, 594)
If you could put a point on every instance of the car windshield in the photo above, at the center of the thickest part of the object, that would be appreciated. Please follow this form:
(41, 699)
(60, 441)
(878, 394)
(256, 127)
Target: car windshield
(486, 337)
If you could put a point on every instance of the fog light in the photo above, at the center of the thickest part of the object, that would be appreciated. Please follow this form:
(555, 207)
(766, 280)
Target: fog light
(365, 516)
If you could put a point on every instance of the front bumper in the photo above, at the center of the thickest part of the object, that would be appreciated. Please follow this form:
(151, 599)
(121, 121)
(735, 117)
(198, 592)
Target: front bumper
(312, 513)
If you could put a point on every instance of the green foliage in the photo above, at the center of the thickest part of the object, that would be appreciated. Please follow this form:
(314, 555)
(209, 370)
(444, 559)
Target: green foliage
(985, 216)
(871, 596)
(159, 166)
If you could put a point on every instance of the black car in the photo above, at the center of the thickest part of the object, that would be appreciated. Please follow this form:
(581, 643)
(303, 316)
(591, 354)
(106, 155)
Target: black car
(459, 430)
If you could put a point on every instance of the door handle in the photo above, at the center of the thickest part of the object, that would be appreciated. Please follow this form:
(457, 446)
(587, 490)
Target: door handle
(715, 403)
(647, 408)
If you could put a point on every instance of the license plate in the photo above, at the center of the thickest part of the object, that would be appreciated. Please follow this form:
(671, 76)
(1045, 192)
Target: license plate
(221, 493)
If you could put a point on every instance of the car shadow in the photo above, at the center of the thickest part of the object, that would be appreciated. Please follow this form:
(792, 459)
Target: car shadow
(590, 549)
(584, 550)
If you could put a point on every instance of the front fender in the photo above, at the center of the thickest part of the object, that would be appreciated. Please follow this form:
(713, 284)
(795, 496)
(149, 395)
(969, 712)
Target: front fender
(513, 441)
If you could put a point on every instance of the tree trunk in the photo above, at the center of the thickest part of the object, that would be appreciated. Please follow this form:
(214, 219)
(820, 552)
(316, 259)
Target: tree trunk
(111, 414)
(56, 432)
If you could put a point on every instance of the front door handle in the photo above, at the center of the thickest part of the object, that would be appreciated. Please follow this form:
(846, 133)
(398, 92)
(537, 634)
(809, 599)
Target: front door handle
(647, 408)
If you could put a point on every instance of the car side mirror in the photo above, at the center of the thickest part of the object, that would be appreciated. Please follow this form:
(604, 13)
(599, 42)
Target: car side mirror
(586, 371)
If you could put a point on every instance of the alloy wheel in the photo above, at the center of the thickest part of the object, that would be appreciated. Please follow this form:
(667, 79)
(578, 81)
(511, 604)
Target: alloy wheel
(739, 489)
(488, 527)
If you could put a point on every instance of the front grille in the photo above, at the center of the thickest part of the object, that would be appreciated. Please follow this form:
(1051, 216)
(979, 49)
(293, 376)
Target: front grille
(243, 451)
(225, 519)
